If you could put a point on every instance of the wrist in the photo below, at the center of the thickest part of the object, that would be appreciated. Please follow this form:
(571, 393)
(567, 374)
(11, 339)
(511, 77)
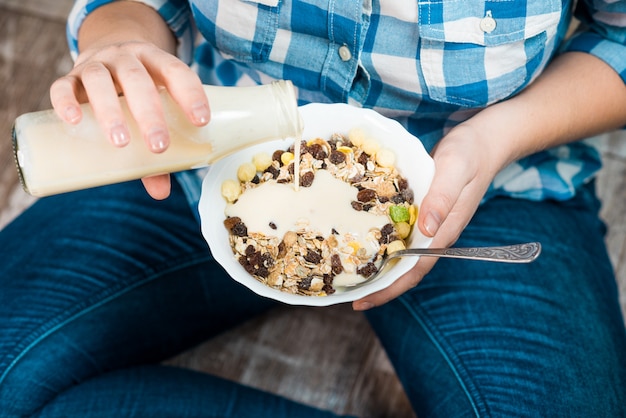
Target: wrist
(122, 22)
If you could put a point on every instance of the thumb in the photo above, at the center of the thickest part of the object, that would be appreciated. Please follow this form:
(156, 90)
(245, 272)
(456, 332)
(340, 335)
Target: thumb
(448, 183)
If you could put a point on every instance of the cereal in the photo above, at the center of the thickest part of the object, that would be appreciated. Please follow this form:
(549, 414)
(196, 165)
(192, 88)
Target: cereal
(308, 262)
(394, 246)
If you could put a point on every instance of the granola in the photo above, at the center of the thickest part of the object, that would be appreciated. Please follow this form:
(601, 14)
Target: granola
(307, 262)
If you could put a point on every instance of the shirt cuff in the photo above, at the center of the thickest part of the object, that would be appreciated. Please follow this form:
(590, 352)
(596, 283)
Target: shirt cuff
(613, 53)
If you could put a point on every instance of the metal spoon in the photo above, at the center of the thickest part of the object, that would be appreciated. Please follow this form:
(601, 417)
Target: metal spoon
(518, 253)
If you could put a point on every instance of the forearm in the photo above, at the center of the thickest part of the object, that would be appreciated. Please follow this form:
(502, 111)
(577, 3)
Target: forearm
(578, 96)
(125, 21)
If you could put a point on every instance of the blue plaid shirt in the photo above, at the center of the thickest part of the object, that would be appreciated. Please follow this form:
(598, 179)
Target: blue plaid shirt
(428, 64)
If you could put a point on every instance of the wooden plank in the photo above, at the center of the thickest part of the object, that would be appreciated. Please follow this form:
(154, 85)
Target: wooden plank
(612, 189)
(48, 9)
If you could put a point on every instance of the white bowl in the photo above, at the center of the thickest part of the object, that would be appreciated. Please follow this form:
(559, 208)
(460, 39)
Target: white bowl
(320, 120)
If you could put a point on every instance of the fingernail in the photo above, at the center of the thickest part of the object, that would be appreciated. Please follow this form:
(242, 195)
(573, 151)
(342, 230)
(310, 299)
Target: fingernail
(200, 113)
(158, 140)
(72, 114)
(363, 306)
(120, 135)
(431, 223)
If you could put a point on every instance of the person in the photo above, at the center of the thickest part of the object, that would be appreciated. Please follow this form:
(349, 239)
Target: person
(98, 286)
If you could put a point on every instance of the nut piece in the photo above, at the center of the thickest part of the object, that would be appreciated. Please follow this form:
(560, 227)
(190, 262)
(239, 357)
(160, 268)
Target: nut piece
(370, 146)
(356, 136)
(385, 157)
(246, 172)
(231, 190)
(261, 161)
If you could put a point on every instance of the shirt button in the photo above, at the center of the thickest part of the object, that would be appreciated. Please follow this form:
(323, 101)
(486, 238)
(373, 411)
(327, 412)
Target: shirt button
(487, 23)
(344, 53)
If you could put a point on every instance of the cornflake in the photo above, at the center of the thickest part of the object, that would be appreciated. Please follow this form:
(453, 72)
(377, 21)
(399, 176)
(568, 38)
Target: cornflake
(303, 261)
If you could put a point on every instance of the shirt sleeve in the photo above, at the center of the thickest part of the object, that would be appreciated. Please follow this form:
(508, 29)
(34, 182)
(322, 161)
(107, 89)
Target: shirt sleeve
(604, 32)
(176, 13)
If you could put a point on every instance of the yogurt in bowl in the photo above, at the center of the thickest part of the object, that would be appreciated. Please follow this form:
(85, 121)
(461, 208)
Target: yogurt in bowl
(302, 245)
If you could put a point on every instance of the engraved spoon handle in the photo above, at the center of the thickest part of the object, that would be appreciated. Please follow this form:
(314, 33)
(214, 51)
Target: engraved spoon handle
(518, 253)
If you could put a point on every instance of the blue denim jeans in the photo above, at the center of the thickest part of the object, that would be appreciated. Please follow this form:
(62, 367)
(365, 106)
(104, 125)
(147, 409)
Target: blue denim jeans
(98, 286)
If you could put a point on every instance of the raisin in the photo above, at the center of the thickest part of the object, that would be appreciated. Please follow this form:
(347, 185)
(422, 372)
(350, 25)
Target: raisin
(249, 250)
(335, 263)
(306, 180)
(357, 178)
(328, 289)
(267, 261)
(230, 222)
(305, 283)
(385, 233)
(337, 157)
(256, 179)
(313, 257)
(366, 195)
(273, 225)
(277, 154)
(367, 270)
(282, 249)
(317, 151)
(239, 230)
(408, 195)
(363, 159)
(397, 198)
(262, 272)
(403, 184)
(273, 171)
(357, 205)
(255, 259)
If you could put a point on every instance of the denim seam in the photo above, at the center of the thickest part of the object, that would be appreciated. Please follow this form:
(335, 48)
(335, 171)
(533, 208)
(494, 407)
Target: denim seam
(451, 359)
(113, 294)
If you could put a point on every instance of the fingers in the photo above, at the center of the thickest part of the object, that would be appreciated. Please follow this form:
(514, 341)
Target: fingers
(397, 288)
(144, 102)
(102, 94)
(183, 85)
(63, 95)
(158, 187)
(136, 70)
(451, 177)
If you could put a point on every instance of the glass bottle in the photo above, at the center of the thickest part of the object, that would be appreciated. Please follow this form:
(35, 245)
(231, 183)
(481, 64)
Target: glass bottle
(55, 157)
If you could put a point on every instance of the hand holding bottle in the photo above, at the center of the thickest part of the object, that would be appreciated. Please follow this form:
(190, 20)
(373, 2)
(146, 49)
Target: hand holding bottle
(126, 48)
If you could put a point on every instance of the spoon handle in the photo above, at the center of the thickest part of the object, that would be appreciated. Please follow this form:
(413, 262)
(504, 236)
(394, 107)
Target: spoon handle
(518, 253)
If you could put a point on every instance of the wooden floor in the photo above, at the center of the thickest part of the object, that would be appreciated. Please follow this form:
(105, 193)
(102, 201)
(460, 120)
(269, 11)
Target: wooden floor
(332, 359)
